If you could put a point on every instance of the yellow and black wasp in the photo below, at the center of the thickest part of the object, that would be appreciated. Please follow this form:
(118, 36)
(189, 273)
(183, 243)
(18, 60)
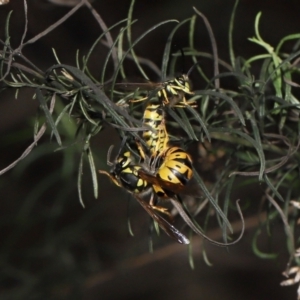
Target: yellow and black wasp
(164, 182)
(124, 173)
(172, 165)
(169, 93)
(168, 172)
(156, 139)
(164, 173)
(170, 168)
(170, 179)
(173, 91)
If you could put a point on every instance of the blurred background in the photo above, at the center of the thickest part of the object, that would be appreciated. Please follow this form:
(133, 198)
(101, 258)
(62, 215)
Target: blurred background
(51, 247)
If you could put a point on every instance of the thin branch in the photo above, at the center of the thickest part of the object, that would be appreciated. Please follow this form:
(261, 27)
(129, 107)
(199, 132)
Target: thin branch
(26, 23)
(108, 36)
(53, 26)
(34, 143)
(142, 60)
(214, 47)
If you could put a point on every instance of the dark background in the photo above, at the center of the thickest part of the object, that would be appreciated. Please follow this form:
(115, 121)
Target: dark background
(51, 247)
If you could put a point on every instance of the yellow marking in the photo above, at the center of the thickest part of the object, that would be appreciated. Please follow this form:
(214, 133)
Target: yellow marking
(154, 117)
(171, 160)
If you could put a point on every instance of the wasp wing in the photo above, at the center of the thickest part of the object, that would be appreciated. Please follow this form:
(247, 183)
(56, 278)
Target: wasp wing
(169, 229)
(145, 86)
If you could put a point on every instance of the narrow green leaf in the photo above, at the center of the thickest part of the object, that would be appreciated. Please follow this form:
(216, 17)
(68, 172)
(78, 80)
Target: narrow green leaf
(205, 258)
(230, 33)
(48, 115)
(134, 56)
(166, 55)
(259, 148)
(190, 252)
(187, 123)
(84, 67)
(101, 98)
(119, 41)
(272, 187)
(259, 253)
(211, 199)
(226, 205)
(242, 134)
(93, 171)
(227, 99)
(182, 125)
(79, 179)
(128, 216)
(201, 122)
(295, 36)
(133, 44)
(7, 35)
(60, 116)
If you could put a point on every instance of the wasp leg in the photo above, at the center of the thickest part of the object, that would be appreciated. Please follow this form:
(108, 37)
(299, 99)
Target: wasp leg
(138, 100)
(141, 150)
(165, 97)
(161, 209)
(185, 103)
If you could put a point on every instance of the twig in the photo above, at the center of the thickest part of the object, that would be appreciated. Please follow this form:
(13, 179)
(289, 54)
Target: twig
(103, 26)
(33, 144)
(56, 24)
(214, 47)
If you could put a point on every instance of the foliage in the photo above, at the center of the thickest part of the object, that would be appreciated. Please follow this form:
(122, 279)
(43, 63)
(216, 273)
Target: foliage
(254, 122)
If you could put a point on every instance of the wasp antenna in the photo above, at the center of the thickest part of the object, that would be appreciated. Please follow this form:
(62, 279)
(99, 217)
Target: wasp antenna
(192, 68)
(122, 146)
(109, 155)
(183, 60)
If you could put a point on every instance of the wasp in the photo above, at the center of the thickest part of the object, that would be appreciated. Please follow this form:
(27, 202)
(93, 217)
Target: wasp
(124, 173)
(158, 138)
(169, 172)
(169, 164)
(170, 180)
(171, 92)
(166, 183)
(172, 166)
